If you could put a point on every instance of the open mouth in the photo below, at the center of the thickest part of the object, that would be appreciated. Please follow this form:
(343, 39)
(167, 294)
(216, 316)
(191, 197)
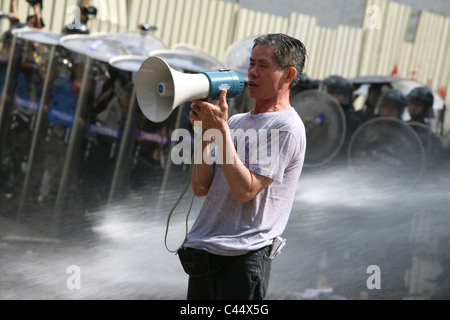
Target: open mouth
(252, 84)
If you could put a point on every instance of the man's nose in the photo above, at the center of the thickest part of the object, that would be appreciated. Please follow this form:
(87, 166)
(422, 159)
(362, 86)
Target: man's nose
(252, 72)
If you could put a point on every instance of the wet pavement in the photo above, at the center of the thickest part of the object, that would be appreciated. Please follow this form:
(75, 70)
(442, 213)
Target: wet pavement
(337, 230)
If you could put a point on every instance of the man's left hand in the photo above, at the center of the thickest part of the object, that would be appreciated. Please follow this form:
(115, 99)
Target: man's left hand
(212, 116)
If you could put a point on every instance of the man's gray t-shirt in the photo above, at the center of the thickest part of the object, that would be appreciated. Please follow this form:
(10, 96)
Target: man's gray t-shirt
(224, 227)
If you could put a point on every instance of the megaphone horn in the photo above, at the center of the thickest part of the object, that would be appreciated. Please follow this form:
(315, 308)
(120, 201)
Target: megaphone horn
(160, 89)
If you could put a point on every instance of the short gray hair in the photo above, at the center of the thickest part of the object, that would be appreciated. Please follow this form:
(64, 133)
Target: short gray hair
(288, 52)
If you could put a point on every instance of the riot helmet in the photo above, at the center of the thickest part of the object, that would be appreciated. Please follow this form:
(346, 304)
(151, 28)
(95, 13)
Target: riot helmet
(339, 88)
(420, 102)
(305, 83)
(392, 103)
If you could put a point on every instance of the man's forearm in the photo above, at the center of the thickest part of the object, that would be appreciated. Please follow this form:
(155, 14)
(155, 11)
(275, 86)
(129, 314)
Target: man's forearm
(13, 7)
(244, 184)
(38, 14)
(13, 13)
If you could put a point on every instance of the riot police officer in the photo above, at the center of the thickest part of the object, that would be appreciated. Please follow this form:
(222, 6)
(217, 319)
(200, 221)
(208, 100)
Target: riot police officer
(392, 104)
(420, 104)
(342, 90)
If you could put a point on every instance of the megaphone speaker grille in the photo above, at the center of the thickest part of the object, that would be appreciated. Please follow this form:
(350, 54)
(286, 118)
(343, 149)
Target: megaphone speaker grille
(160, 89)
(152, 73)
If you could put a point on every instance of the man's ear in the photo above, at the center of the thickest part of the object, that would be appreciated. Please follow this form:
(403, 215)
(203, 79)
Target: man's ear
(291, 73)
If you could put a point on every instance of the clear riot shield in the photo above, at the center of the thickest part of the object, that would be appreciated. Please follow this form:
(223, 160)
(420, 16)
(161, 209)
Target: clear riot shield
(50, 141)
(120, 180)
(31, 54)
(96, 132)
(6, 46)
(144, 156)
(146, 165)
(433, 145)
(140, 43)
(325, 126)
(5, 49)
(384, 151)
(237, 58)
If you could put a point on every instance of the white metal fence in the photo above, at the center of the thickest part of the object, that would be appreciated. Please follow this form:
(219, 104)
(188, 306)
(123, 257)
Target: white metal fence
(377, 47)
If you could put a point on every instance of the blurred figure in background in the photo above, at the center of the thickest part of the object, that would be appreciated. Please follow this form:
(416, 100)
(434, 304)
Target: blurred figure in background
(25, 101)
(373, 95)
(420, 105)
(60, 115)
(105, 136)
(342, 90)
(33, 21)
(391, 104)
(305, 84)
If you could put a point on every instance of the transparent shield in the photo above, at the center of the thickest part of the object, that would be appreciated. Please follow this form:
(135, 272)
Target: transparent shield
(385, 150)
(50, 142)
(20, 104)
(145, 161)
(94, 142)
(325, 125)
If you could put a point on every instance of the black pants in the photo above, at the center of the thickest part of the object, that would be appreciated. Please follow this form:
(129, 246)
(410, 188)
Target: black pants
(246, 277)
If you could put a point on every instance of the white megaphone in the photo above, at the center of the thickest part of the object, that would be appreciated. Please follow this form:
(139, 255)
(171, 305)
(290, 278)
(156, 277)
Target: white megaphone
(160, 89)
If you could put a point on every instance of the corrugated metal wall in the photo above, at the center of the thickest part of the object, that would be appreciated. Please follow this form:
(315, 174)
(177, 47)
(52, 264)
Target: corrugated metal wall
(207, 24)
(213, 25)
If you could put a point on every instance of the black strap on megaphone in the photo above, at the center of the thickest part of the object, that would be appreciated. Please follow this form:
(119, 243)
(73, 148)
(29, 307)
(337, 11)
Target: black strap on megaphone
(187, 216)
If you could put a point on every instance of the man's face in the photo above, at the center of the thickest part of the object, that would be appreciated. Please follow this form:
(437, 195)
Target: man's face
(415, 110)
(374, 94)
(264, 74)
(340, 97)
(389, 112)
